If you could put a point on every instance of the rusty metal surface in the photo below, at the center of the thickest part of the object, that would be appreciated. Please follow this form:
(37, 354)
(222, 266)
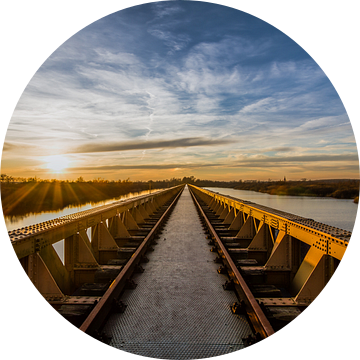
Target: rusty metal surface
(326, 239)
(255, 313)
(179, 309)
(309, 223)
(21, 233)
(32, 239)
(102, 309)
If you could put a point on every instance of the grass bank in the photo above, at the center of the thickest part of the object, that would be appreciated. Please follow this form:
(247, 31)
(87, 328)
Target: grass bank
(339, 189)
(34, 197)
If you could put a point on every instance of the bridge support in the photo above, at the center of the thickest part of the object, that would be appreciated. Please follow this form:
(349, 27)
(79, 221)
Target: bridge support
(220, 210)
(103, 244)
(83, 257)
(224, 213)
(277, 243)
(283, 261)
(41, 277)
(143, 212)
(129, 221)
(149, 208)
(238, 221)
(261, 245)
(247, 230)
(137, 216)
(230, 216)
(280, 259)
(117, 228)
(80, 259)
(312, 276)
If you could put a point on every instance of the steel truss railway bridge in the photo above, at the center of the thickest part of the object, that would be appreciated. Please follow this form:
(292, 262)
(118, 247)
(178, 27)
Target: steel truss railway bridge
(182, 272)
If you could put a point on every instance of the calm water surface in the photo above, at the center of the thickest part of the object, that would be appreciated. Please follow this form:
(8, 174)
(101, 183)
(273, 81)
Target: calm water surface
(16, 222)
(335, 212)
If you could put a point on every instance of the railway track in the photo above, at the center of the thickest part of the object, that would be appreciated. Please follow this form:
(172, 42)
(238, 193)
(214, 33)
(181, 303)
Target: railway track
(116, 278)
(102, 296)
(247, 302)
(184, 283)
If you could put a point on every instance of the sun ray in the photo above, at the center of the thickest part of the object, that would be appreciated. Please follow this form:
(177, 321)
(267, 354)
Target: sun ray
(69, 189)
(19, 196)
(97, 194)
(42, 197)
(58, 196)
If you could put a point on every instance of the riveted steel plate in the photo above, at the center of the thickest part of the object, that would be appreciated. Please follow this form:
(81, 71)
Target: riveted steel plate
(179, 309)
(27, 231)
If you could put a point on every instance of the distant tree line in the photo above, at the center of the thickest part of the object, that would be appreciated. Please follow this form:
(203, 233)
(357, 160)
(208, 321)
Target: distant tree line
(36, 195)
(31, 195)
(155, 184)
(339, 189)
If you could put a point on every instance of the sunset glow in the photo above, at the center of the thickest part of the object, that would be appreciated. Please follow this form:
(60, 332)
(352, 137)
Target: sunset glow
(57, 163)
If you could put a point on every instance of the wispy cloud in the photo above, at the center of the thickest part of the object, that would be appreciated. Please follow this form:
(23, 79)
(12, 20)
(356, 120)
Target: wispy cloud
(173, 42)
(163, 9)
(265, 161)
(142, 145)
(145, 167)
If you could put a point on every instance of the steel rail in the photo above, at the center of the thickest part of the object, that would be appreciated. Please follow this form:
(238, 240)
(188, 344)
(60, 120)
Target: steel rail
(257, 317)
(98, 315)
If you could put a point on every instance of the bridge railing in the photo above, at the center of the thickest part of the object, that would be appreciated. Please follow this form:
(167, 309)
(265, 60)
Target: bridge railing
(292, 250)
(88, 242)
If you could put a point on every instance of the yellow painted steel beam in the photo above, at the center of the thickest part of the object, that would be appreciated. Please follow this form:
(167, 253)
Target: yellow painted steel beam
(305, 230)
(32, 239)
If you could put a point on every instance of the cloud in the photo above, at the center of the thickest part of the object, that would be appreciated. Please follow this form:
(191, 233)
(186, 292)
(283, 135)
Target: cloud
(267, 161)
(18, 147)
(154, 144)
(144, 167)
(164, 10)
(9, 146)
(281, 149)
(263, 162)
(174, 42)
(113, 88)
(258, 106)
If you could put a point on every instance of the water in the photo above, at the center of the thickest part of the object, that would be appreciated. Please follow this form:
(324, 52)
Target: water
(16, 222)
(335, 212)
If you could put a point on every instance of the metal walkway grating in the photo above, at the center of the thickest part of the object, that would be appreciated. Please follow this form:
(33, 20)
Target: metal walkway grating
(178, 350)
(179, 309)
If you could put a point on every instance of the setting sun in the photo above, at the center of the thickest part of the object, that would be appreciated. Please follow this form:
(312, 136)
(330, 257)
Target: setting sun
(57, 163)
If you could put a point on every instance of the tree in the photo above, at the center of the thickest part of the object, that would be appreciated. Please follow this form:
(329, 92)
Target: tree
(32, 179)
(189, 180)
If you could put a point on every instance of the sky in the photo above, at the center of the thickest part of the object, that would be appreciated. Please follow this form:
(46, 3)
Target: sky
(180, 88)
